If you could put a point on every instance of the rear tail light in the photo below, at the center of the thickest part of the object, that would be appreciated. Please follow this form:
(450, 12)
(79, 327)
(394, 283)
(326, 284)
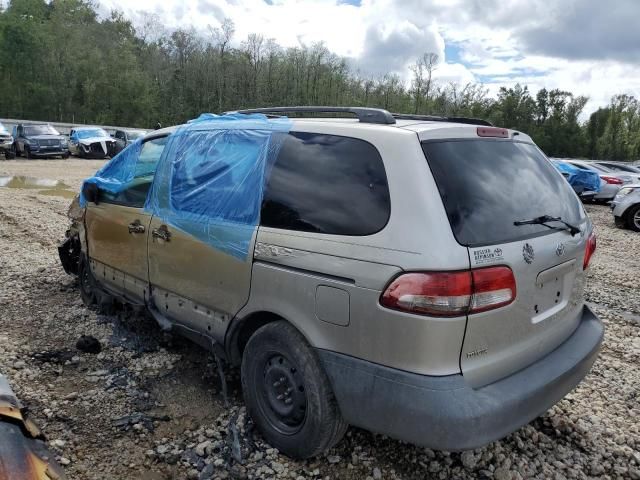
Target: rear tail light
(589, 251)
(611, 180)
(451, 294)
(492, 132)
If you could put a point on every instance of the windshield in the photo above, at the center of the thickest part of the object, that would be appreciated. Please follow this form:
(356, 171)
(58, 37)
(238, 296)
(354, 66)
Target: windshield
(598, 167)
(590, 167)
(40, 130)
(91, 132)
(488, 185)
(135, 135)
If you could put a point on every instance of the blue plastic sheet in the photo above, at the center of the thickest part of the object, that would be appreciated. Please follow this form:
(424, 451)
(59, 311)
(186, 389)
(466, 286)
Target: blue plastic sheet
(85, 133)
(118, 173)
(210, 178)
(581, 180)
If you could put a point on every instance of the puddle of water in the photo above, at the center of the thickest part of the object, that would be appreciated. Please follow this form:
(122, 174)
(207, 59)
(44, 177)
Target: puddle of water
(45, 186)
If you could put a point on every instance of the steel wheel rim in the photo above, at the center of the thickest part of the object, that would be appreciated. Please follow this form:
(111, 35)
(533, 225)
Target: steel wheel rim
(85, 281)
(281, 394)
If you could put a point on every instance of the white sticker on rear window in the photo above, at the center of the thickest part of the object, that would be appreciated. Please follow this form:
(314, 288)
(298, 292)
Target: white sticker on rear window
(487, 255)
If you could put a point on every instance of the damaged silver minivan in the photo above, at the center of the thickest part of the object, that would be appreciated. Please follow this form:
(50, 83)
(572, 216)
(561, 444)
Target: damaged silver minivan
(420, 277)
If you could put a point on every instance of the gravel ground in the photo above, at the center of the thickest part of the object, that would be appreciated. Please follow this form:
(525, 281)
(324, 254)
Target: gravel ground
(150, 405)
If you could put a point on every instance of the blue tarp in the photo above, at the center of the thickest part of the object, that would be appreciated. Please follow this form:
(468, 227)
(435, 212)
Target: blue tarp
(118, 173)
(581, 180)
(210, 178)
(89, 133)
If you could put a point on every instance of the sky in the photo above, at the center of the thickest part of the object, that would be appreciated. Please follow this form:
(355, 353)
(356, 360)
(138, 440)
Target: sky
(588, 47)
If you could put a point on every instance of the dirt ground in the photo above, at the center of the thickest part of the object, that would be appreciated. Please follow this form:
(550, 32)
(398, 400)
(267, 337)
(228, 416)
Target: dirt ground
(149, 406)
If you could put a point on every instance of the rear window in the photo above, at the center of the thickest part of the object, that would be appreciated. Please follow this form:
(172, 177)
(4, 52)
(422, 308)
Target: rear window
(487, 185)
(327, 184)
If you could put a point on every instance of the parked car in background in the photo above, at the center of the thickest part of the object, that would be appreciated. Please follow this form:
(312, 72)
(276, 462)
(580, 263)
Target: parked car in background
(383, 281)
(39, 140)
(610, 182)
(6, 143)
(91, 142)
(620, 167)
(126, 137)
(626, 207)
(622, 173)
(586, 183)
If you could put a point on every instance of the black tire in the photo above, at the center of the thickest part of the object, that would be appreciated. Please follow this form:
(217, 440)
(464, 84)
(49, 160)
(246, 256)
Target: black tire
(66, 155)
(9, 154)
(288, 394)
(27, 152)
(632, 218)
(87, 283)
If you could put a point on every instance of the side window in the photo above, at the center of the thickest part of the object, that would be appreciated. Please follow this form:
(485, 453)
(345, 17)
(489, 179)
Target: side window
(119, 135)
(327, 184)
(135, 194)
(216, 177)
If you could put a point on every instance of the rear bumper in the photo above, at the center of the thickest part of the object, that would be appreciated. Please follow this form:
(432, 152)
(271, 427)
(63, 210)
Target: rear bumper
(608, 192)
(444, 413)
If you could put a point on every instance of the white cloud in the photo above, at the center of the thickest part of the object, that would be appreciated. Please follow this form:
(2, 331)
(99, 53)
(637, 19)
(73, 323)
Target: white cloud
(498, 46)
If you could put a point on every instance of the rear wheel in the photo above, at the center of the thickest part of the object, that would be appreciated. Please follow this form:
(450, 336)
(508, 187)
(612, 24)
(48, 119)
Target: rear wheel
(288, 394)
(633, 218)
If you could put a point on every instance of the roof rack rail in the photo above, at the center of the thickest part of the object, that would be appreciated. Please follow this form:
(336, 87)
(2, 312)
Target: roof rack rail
(364, 114)
(435, 118)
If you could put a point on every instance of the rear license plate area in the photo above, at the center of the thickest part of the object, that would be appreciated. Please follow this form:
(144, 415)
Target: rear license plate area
(550, 290)
(550, 294)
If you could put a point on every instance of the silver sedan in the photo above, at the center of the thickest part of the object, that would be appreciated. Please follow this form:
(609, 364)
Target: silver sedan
(626, 207)
(610, 181)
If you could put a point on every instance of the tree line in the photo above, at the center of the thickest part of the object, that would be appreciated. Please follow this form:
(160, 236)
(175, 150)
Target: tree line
(59, 61)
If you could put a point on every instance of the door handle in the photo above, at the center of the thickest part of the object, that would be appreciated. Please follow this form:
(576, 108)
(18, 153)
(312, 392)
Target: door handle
(136, 227)
(162, 233)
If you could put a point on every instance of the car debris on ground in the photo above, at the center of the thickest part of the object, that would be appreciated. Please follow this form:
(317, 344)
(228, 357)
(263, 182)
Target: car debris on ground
(23, 452)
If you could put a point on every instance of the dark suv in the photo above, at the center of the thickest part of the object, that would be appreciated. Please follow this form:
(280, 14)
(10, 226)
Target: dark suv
(39, 140)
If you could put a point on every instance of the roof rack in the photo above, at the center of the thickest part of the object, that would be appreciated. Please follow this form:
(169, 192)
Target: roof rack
(435, 118)
(368, 115)
(364, 114)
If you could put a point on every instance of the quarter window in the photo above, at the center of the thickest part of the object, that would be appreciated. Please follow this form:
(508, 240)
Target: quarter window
(327, 184)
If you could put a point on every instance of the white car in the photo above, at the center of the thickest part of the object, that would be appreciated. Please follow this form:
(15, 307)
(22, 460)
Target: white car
(6, 143)
(626, 207)
(91, 142)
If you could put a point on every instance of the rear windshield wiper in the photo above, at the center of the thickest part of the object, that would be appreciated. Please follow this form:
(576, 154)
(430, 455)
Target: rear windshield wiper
(545, 219)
